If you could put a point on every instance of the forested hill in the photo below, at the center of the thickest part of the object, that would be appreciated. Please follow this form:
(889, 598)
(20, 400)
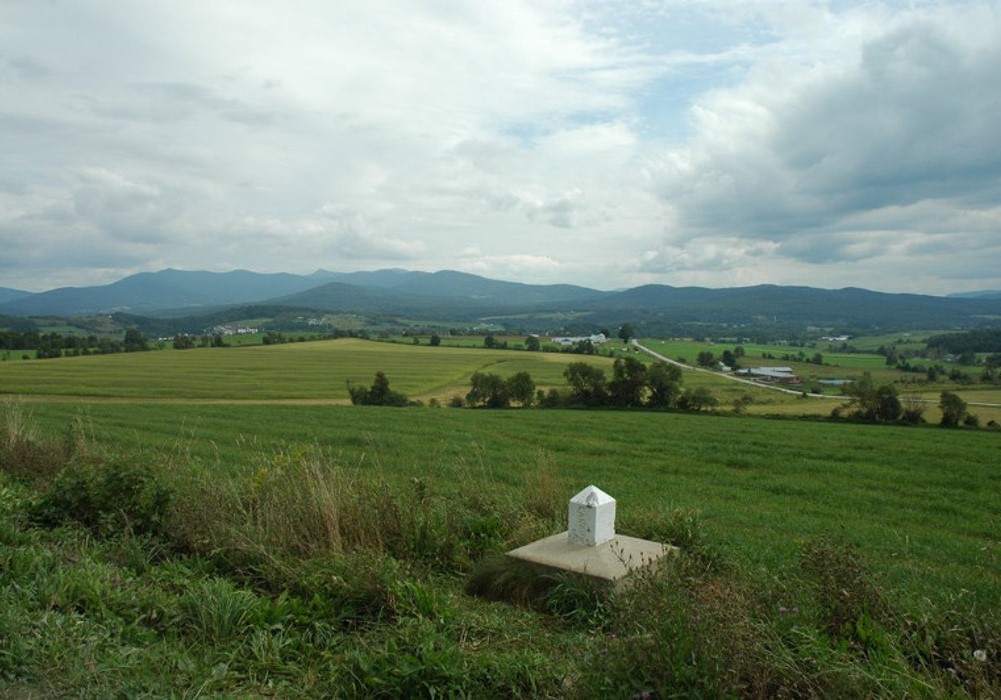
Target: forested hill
(7, 294)
(448, 296)
(979, 340)
(449, 293)
(849, 307)
(156, 292)
(382, 291)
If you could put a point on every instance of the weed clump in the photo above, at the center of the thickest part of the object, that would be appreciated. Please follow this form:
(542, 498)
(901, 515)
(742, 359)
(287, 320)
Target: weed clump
(21, 452)
(851, 603)
(110, 498)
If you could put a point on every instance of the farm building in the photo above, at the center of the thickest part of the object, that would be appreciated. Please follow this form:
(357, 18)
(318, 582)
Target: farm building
(596, 339)
(781, 375)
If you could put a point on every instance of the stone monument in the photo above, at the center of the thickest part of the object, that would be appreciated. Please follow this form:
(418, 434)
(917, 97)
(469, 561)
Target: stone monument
(591, 517)
(589, 546)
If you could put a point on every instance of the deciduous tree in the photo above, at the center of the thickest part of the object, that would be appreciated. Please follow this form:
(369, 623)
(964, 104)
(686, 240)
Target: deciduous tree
(134, 341)
(587, 384)
(953, 409)
(488, 390)
(664, 384)
(379, 394)
(521, 388)
(626, 332)
(628, 382)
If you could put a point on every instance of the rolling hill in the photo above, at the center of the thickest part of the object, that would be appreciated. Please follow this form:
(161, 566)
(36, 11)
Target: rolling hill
(8, 294)
(849, 307)
(447, 295)
(156, 292)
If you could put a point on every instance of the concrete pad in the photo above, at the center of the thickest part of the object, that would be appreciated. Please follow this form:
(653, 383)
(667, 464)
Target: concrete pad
(611, 561)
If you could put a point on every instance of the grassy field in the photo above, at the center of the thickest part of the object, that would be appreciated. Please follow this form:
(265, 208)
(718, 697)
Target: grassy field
(905, 520)
(319, 371)
(312, 371)
(762, 486)
(984, 398)
(326, 550)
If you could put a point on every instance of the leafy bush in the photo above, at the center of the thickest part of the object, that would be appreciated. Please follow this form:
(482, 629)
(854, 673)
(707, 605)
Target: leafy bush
(953, 409)
(378, 395)
(108, 498)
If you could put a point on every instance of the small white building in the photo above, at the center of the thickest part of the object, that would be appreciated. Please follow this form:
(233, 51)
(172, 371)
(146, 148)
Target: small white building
(783, 375)
(596, 339)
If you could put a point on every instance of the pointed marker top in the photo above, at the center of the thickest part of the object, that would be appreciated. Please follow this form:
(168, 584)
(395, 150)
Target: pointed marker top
(592, 496)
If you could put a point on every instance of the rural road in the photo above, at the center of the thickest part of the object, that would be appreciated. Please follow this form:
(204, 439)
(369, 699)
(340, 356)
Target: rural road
(760, 385)
(732, 378)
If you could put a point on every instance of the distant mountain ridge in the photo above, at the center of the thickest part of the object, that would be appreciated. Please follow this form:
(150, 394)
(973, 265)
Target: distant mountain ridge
(848, 307)
(8, 294)
(385, 291)
(446, 291)
(153, 292)
(449, 295)
(982, 294)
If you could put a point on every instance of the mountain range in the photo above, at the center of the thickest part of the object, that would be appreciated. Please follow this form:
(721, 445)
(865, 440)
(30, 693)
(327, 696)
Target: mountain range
(456, 296)
(7, 294)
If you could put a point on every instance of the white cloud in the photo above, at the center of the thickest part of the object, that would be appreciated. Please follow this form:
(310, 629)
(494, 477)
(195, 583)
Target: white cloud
(818, 151)
(561, 140)
(515, 266)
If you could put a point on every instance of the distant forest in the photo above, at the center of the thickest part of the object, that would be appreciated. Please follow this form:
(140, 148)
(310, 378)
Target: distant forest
(981, 340)
(48, 345)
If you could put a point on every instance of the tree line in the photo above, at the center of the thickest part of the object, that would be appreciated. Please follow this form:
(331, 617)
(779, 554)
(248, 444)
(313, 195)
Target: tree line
(50, 345)
(880, 404)
(974, 341)
(633, 384)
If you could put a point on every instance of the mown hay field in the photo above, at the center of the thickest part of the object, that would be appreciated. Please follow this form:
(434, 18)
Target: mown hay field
(313, 370)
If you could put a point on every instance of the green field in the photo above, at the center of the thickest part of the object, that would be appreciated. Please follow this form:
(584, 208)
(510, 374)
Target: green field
(304, 371)
(984, 399)
(320, 549)
(763, 486)
(594, 442)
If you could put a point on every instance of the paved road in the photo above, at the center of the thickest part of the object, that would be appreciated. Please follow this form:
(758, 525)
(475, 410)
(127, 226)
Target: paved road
(732, 378)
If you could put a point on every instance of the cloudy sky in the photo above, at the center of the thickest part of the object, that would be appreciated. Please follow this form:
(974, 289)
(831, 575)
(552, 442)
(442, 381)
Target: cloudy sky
(599, 142)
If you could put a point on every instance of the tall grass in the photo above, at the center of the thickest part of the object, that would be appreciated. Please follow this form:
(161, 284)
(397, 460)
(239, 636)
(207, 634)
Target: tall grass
(21, 452)
(301, 503)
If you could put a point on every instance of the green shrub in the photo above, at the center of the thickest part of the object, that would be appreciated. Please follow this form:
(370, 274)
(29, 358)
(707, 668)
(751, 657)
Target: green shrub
(379, 394)
(109, 498)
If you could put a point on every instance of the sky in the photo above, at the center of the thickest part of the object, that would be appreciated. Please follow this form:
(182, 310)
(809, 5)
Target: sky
(595, 142)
